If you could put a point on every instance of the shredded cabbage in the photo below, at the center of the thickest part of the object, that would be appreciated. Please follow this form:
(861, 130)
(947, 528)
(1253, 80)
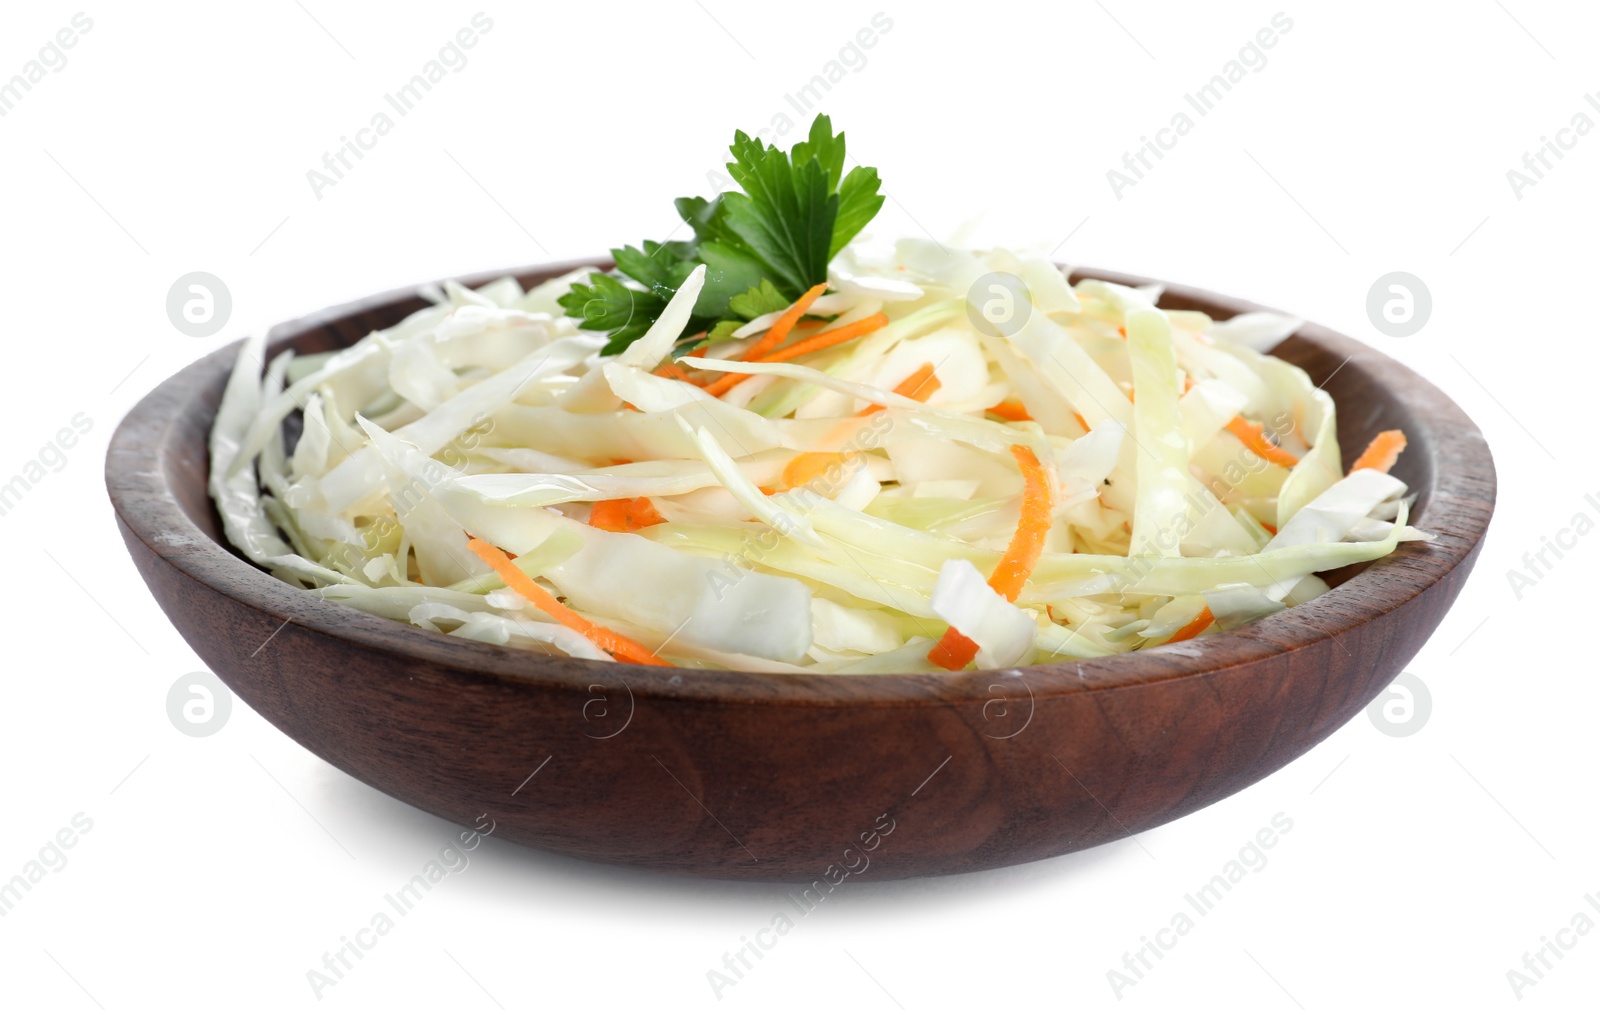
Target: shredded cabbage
(822, 514)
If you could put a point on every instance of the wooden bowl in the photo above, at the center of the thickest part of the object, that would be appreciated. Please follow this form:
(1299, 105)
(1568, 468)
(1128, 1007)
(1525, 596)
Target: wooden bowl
(807, 778)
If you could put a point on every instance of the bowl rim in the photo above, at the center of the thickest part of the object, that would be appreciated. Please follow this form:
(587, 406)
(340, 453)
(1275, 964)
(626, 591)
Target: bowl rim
(1460, 500)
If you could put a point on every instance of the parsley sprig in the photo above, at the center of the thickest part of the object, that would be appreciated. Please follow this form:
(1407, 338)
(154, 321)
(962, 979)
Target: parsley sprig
(762, 247)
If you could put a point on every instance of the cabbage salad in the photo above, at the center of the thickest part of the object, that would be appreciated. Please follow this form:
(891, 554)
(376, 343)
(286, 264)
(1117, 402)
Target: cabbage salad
(913, 459)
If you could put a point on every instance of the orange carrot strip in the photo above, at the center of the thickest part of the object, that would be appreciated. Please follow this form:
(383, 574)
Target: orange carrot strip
(619, 645)
(1382, 452)
(642, 512)
(726, 382)
(919, 385)
(1010, 410)
(1269, 528)
(1201, 622)
(1081, 422)
(1250, 435)
(675, 371)
(810, 345)
(1016, 564)
(808, 466)
(609, 515)
(829, 338)
(669, 370)
(624, 515)
(779, 331)
(956, 650)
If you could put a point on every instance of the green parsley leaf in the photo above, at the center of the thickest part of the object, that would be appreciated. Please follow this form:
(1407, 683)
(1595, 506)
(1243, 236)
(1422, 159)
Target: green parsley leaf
(729, 272)
(785, 214)
(608, 305)
(825, 148)
(758, 301)
(660, 267)
(859, 203)
(762, 246)
(723, 331)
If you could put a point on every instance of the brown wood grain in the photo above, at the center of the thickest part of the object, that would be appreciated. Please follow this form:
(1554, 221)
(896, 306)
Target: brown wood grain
(741, 775)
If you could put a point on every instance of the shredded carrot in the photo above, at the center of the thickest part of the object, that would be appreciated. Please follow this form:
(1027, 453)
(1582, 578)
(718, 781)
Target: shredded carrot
(1270, 528)
(1081, 422)
(1250, 435)
(919, 385)
(779, 331)
(830, 338)
(1011, 410)
(956, 650)
(609, 515)
(810, 345)
(624, 515)
(619, 645)
(808, 466)
(671, 370)
(1032, 526)
(1382, 452)
(726, 382)
(1201, 622)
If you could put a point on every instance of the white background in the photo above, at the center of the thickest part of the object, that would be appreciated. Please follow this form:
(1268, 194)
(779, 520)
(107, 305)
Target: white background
(1377, 138)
